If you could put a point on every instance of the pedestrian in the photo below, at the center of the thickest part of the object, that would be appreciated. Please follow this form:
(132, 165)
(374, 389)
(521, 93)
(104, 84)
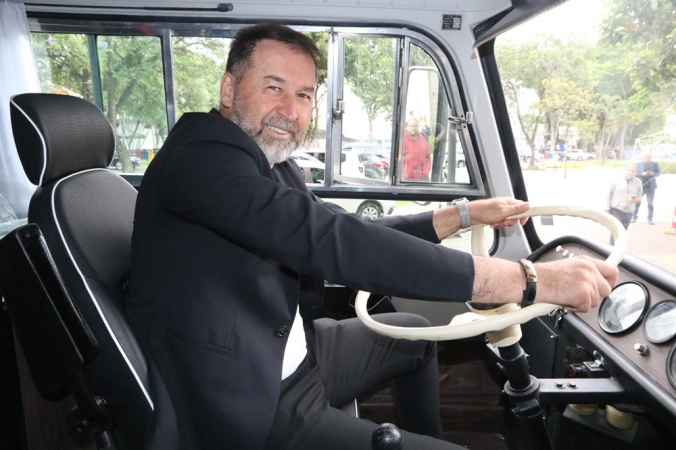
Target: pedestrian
(417, 159)
(647, 171)
(624, 193)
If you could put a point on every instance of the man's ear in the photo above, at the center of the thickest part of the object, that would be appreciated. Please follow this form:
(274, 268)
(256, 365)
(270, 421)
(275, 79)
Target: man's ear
(227, 92)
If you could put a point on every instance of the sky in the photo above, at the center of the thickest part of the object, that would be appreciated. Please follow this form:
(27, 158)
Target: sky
(581, 17)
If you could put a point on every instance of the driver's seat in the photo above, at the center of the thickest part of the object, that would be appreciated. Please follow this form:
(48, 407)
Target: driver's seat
(85, 213)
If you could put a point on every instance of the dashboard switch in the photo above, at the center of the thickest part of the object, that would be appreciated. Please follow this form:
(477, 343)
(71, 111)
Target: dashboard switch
(642, 349)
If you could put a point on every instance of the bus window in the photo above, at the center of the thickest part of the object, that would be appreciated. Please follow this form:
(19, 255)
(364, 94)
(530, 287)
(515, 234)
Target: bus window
(585, 102)
(432, 148)
(123, 75)
(199, 64)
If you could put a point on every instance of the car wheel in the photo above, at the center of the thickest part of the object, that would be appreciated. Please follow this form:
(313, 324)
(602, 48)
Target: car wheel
(461, 164)
(371, 210)
(118, 165)
(579, 158)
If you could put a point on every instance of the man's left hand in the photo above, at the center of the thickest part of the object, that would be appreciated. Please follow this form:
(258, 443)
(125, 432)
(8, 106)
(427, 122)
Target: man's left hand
(494, 211)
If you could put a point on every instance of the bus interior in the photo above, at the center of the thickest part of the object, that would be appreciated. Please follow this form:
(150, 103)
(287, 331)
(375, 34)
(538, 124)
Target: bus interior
(602, 378)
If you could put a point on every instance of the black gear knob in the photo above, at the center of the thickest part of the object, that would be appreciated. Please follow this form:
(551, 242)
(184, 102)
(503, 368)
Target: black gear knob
(387, 437)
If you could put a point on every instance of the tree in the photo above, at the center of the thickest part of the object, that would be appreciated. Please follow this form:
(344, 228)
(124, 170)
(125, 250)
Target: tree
(522, 73)
(63, 64)
(199, 64)
(649, 28)
(369, 70)
(321, 40)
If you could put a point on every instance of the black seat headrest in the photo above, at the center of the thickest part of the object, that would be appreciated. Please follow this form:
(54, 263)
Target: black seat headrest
(57, 135)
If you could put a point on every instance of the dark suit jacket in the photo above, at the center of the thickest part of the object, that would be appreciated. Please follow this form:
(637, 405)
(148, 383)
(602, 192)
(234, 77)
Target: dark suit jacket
(223, 251)
(649, 183)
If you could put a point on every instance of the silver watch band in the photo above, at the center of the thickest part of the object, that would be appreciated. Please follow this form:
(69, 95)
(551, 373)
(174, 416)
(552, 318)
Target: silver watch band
(463, 210)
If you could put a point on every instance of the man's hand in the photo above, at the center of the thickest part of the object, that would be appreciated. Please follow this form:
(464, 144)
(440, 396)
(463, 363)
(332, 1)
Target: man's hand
(576, 283)
(494, 211)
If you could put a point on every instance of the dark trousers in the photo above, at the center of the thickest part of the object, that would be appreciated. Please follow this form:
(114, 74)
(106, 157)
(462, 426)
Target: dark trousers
(344, 360)
(650, 195)
(624, 218)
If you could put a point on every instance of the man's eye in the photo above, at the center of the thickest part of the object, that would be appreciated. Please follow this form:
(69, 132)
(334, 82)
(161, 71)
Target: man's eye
(305, 96)
(274, 88)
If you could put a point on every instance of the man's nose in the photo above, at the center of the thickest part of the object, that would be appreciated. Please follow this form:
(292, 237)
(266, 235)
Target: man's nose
(288, 107)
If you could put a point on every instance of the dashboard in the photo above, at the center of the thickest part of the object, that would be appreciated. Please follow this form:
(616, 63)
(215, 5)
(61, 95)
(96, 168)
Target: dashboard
(634, 340)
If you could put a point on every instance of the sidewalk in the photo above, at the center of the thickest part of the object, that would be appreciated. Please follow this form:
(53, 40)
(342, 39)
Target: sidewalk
(589, 187)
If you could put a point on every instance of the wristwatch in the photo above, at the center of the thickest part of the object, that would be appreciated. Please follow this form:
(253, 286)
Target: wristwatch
(461, 204)
(531, 283)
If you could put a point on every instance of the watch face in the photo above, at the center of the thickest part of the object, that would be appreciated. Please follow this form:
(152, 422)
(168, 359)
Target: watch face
(624, 308)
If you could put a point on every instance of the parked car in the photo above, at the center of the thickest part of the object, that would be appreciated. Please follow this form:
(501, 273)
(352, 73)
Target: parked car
(377, 149)
(576, 155)
(373, 209)
(117, 164)
(311, 168)
(525, 154)
(349, 161)
(375, 167)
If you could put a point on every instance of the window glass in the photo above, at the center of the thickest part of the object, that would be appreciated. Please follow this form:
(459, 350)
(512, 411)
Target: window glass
(368, 95)
(132, 84)
(199, 64)
(432, 150)
(585, 102)
(63, 64)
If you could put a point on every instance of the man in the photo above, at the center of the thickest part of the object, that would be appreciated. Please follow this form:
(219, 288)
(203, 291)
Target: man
(229, 256)
(624, 193)
(648, 170)
(417, 160)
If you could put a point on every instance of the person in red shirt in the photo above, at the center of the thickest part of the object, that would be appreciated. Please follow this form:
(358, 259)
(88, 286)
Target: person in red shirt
(417, 161)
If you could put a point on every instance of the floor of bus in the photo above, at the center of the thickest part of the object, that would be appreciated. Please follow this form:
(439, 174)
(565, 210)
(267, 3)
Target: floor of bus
(472, 414)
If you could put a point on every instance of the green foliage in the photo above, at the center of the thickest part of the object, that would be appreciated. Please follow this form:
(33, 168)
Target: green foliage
(648, 29)
(667, 167)
(369, 70)
(199, 64)
(321, 40)
(63, 64)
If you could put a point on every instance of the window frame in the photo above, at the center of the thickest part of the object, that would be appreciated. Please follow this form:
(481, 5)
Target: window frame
(165, 30)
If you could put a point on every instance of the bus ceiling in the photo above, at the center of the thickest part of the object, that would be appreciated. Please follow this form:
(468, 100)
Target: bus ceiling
(489, 17)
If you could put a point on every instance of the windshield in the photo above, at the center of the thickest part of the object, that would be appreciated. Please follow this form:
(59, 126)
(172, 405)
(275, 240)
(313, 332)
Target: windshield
(590, 89)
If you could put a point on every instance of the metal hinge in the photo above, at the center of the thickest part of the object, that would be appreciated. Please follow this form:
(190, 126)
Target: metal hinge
(457, 121)
(338, 110)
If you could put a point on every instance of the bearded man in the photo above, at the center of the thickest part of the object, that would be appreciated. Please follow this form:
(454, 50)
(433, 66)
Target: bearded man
(229, 256)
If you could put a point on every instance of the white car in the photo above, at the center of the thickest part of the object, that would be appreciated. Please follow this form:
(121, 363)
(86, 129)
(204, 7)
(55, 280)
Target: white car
(349, 161)
(576, 155)
(311, 168)
(373, 209)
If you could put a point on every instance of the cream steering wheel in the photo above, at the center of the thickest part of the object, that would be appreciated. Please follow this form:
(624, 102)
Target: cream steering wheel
(518, 316)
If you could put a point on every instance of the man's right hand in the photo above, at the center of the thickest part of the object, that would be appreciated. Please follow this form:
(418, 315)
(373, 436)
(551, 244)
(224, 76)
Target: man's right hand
(578, 283)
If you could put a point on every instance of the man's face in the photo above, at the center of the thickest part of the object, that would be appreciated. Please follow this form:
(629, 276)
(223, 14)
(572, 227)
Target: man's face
(646, 158)
(272, 102)
(629, 172)
(412, 128)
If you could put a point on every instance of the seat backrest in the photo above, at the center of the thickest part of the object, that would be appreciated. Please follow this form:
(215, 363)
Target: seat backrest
(86, 215)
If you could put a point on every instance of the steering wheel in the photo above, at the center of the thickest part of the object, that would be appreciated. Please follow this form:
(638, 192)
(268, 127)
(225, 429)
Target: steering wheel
(519, 315)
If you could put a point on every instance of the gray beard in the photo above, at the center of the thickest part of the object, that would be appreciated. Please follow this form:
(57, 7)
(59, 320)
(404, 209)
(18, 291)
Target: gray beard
(275, 150)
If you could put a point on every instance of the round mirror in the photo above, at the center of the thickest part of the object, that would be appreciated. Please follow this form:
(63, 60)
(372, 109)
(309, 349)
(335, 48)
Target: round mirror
(660, 322)
(624, 308)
